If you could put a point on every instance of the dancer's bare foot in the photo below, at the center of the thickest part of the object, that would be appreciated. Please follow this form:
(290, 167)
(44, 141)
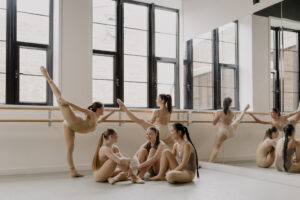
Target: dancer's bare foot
(75, 174)
(136, 179)
(247, 107)
(157, 178)
(45, 73)
(121, 105)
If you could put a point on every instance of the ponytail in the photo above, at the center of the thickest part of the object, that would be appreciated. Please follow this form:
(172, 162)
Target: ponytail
(269, 132)
(105, 135)
(226, 104)
(184, 130)
(95, 106)
(168, 101)
(288, 131)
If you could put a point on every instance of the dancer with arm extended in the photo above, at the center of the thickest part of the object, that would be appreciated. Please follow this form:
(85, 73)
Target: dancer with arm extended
(265, 154)
(288, 151)
(227, 126)
(73, 123)
(279, 120)
(182, 162)
(160, 118)
(108, 157)
(148, 156)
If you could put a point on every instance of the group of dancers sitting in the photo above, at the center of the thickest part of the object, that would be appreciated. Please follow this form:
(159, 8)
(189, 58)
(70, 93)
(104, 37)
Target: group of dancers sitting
(170, 154)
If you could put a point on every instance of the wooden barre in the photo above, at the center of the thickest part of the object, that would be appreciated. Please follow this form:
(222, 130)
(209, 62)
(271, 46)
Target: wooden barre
(235, 112)
(247, 122)
(59, 120)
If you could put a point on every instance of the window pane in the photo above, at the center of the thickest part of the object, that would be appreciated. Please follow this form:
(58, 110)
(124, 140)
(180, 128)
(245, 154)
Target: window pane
(103, 67)
(135, 68)
(103, 91)
(228, 92)
(228, 78)
(2, 24)
(289, 40)
(291, 101)
(34, 6)
(2, 3)
(167, 89)
(104, 37)
(290, 61)
(2, 57)
(165, 45)
(165, 73)
(135, 42)
(202, 50)
(32, 28)
(227, 33)
(291, 82)
(2, 87)
(202, 97)
(104, 11)
(202, 74)
(227, 53)
(135, 94)
(165, 21)
(135, 16)
(29, 92)
(31, 60)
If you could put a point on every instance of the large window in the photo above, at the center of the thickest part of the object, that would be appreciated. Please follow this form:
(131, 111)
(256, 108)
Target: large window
(25, 45)
(212, 68)
(285, 68)
(135, 45)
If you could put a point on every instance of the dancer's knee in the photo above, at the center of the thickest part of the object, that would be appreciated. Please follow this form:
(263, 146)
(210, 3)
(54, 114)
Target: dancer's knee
(171, 177)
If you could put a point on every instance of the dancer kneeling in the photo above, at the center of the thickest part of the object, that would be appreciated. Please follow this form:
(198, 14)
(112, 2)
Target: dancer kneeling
(73, 123)
(148, 156)
(288, 151)
(108, 157)
(227, 127)
(265, 154)
(160, 118)
(182, 161)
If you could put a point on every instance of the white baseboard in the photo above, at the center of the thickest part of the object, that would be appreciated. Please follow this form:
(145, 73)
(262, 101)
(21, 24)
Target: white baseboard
(42, 170)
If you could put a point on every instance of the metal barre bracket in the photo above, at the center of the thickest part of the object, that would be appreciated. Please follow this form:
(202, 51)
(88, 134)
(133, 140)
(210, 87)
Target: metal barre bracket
(50, 116)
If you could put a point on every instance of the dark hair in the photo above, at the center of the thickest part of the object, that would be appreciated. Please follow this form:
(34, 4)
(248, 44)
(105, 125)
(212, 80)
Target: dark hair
(105, 135)
(156, 131)
(168, 100)
(184, 131)
(95, 106)
(288, 131)
(277, 111)
(226, 103)
(269, 132)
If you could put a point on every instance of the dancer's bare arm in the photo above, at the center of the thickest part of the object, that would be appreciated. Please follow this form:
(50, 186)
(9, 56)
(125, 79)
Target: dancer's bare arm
(153, 117)
(114, 156)
(185, 157)
(290, 114)
(153, 159)
(83, 110)
(104, 118)
(260, 121)
(216, 116)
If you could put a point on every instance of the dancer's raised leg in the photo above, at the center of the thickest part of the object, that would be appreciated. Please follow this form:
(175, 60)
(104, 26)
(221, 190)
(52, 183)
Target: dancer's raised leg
(137, 120)
(238, 120)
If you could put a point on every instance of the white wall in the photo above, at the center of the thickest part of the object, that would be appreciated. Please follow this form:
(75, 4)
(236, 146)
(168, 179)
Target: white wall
(201, 16)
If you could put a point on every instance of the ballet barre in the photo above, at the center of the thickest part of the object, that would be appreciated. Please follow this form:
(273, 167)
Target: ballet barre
(60, 120)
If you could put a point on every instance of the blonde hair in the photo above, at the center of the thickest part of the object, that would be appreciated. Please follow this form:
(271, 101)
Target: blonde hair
(105, 135)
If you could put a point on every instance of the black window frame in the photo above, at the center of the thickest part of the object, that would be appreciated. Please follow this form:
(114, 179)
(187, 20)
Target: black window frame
(278, 101)
(216, 72)
(118, 83)
(12, 55)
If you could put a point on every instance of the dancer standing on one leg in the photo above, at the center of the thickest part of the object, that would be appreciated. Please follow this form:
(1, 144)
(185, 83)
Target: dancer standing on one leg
(73, 123)
(227, 127)
(279, 120)
(265, 154)
(108, 157)
(182, 161)
(160, 118)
